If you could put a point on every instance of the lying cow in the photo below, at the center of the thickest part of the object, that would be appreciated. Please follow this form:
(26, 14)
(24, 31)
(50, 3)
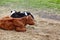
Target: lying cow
(18, 24)
(19, 14)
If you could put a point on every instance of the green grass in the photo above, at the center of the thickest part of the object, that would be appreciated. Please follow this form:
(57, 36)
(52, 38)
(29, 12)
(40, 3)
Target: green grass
(54, 4)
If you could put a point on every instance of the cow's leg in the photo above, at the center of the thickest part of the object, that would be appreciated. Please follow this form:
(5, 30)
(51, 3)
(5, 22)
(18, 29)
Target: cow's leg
(19, 29)
(19, 25)
(6, 24)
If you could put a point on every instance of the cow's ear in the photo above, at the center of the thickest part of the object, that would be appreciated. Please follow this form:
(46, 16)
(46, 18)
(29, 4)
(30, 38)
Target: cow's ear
(11, 11)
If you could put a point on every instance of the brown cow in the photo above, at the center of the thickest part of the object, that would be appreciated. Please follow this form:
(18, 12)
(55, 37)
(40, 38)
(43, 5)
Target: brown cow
(18, 24)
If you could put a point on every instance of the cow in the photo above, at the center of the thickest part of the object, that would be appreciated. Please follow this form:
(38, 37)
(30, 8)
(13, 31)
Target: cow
(19, 14)
(16, 23)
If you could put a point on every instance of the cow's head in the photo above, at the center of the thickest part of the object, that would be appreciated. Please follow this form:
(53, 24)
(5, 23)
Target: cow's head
(30, 20)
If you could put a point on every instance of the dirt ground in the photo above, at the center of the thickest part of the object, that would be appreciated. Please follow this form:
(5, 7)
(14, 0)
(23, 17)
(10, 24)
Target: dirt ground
(44, 28)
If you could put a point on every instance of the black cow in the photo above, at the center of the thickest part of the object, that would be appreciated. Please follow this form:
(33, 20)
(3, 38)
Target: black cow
(19, 14)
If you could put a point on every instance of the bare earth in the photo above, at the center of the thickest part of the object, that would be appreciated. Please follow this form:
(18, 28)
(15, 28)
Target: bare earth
(44, 29)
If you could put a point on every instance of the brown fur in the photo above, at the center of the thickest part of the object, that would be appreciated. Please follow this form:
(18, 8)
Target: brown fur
(17, 24)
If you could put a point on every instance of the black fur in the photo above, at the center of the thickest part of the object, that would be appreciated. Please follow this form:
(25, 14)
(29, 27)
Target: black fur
(19, 14)
(28, 13)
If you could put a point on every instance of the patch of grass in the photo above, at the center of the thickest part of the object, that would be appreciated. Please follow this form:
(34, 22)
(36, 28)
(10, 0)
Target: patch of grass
(54, 4)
